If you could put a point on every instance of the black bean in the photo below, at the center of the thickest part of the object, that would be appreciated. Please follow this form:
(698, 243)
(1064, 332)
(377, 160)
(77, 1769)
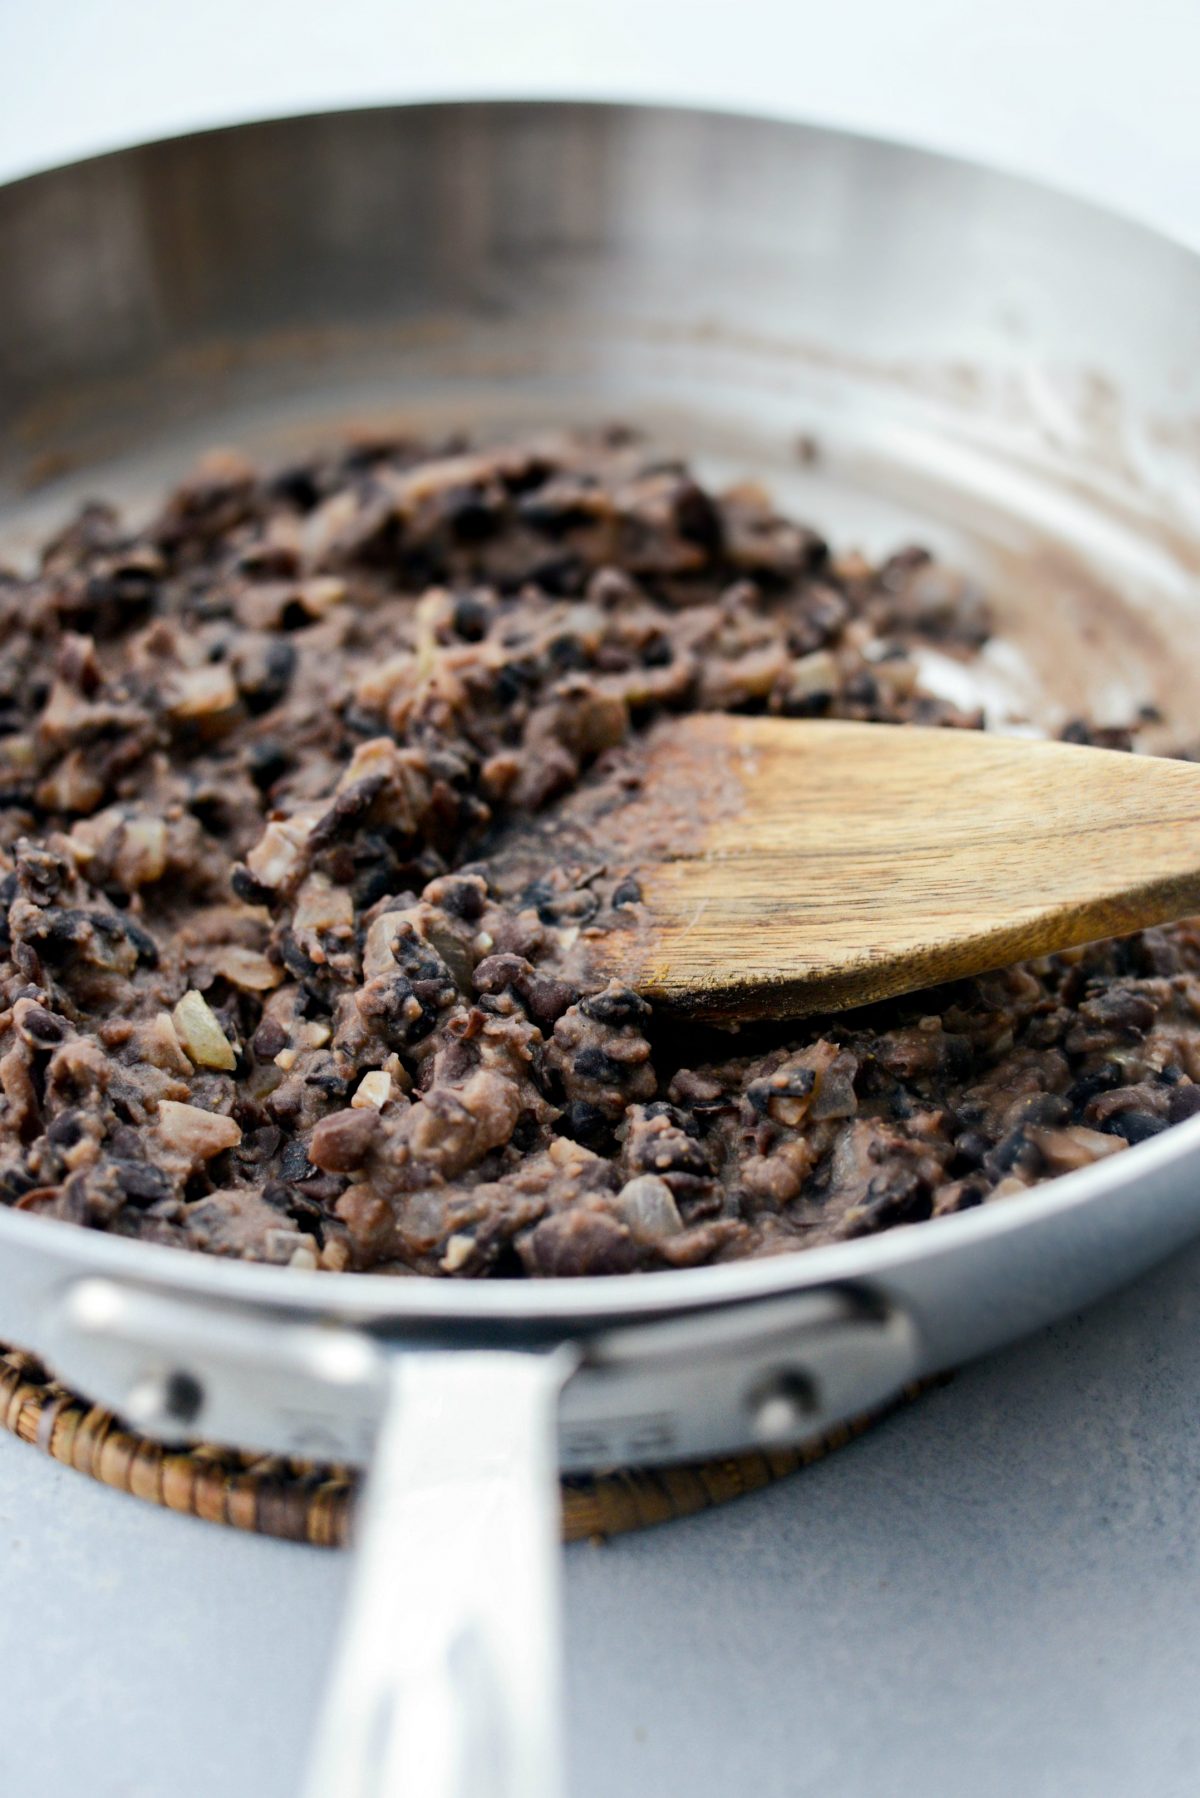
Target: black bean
(1121, 1009)
(1134, 1126)
(697, 519)
(293, 957)
(8, 892)
(578, 1241)
(212, 811)
(15, 1182)
(514, 680)
(898, 1197)
(114, 601)
(267, 762)
(1015, 1153)
(584, 1123)
(567, 654)
(322, 1189)
(347, 810)
(536, 894)
(55, 933)
(526, 1132)
(496, 973)
(463, 899)
(971, 1112)
(248, 889)
(141, 1182)
(66, 1129)
(1098, 1080)
(336, 1089)
(593, 1064)
(1103, 737)
(41, 874)
(675, 1155)
(305, 1209)
(41, 1028)
(956, 1056)
(627, 892)
(126, 1143)
(294, 1163)
(269, 1039)
(546, 1000)
(1042, 1108)
(895, 572)
(391, 999)
(554, 517)
(298, 486)
(261, 1143)
(807, 705)
(970, 1149)
(794, 1083)
(681, 1120)
(616, 1005)
(470, 618)
(577, 907)
(861, 689)
(265, 686)
(269, 561)
(1185, 1103)
(471, 515)
(143, 942)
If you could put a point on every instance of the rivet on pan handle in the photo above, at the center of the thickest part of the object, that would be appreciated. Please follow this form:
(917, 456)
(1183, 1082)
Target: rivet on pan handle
(177, 1367)
(447, 1678)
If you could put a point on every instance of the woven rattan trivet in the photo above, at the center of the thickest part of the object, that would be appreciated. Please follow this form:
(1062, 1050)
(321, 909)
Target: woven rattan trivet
(304, 1502)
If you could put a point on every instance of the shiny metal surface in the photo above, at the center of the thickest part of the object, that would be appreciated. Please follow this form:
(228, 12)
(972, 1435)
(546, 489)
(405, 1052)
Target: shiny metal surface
(902, 346)
(641, 1392)
(1007, 373)
(450, 1672)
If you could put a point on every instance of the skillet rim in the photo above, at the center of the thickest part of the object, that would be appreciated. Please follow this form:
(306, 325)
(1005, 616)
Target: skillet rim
(71, 1251)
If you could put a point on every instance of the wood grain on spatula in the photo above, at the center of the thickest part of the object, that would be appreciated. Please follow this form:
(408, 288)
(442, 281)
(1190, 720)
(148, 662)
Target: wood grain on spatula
(827, 864)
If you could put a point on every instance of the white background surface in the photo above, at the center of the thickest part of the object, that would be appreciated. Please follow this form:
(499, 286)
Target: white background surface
(996, 1593)
(1101, 99)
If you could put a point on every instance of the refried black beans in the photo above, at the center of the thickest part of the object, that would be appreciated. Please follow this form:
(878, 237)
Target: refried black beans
(273, 986)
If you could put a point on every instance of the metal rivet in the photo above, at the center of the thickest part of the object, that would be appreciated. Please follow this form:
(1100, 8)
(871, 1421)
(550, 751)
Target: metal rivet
(164, 1400)
(781, 1405)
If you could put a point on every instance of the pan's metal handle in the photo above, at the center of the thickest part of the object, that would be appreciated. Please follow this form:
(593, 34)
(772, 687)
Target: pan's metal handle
(448, 1676)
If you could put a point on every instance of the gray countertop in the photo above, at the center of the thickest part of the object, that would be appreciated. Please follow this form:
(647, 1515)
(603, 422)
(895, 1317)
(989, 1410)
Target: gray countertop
(995, 1592)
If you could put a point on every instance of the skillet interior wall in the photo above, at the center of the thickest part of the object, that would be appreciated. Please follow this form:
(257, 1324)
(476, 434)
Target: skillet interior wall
(1001, 374)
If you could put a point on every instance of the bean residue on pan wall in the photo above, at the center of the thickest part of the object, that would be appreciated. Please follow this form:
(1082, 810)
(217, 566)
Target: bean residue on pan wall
(276, 984)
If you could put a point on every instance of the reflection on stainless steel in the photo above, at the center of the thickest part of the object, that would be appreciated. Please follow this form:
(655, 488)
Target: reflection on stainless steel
(901, 345)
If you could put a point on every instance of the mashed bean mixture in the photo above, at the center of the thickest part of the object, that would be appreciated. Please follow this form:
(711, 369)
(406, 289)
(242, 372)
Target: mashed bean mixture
(274, 984)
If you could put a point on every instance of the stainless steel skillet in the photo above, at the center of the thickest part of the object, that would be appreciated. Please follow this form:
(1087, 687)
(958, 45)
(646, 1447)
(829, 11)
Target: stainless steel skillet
(903, 345)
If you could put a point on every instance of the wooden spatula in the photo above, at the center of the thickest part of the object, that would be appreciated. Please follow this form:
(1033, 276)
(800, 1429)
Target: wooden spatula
(810, 865)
